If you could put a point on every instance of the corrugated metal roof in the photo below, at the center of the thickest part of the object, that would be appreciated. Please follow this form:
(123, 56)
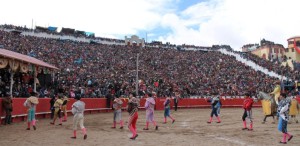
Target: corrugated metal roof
(25, 58)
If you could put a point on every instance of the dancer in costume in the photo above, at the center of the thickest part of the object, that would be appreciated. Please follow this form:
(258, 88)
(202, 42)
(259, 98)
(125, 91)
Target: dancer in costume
(149, 106)
(117, 106)
(248, 102)
(64, 108)
(294, 109)
(269, 106)
(132, 109)
(167, 110)
(57, 109)
(283, 111)
(276, 91)
(214, 109)
(78, 112)
(31, 103)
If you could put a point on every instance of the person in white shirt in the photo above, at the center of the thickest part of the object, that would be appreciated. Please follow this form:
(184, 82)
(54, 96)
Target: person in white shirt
(78, 112)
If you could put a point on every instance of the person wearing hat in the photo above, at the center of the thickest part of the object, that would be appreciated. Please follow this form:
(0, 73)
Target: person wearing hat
(7, 106)
(31, 103)
(283, 111)
(276, 91)
(57, 109)
(78, 108)
(248, 102)
(117, 106)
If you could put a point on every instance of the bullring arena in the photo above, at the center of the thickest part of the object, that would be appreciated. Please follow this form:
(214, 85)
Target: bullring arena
(100, 69)
(189, 129)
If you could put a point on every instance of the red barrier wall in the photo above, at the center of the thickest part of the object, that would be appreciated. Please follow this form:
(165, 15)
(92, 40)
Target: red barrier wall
(98, 104)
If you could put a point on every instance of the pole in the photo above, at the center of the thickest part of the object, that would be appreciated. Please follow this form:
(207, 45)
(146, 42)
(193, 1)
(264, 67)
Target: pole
(146, 39)
(34, 78)
(32, 25)
(137, 75)
(11, 82)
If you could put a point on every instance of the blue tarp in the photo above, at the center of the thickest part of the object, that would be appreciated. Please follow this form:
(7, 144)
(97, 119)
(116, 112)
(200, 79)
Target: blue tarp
(51, 28)
(89, 33)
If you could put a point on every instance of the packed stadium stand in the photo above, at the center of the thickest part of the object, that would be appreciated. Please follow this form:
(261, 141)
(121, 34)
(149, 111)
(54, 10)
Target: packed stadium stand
(95, 68)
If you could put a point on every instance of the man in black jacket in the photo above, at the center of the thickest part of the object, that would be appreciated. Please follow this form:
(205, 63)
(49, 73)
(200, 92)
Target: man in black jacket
(108, 99)
(7, 106)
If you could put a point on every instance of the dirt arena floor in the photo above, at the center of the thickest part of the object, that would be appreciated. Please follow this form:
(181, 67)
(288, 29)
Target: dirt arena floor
(190, 129)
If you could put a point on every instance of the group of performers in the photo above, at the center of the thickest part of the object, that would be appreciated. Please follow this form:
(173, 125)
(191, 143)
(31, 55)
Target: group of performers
(58, 106)
(282, 103)
(132, 109)
(283, 111)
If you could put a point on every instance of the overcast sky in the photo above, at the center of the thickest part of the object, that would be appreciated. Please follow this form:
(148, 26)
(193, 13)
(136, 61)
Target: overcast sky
(198, 22)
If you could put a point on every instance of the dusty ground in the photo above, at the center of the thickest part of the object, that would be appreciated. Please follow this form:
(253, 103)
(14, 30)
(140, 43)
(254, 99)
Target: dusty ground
(190, 129)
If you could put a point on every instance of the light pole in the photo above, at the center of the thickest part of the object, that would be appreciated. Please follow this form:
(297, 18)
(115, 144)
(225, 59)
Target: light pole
(137, 75)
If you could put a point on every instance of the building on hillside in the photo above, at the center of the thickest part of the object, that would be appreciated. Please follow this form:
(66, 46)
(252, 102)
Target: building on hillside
(269, 50)
(249, 47)
(293, 50)
(134, 41)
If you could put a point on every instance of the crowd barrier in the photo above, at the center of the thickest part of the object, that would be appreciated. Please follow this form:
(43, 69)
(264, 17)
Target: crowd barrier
(96, 105)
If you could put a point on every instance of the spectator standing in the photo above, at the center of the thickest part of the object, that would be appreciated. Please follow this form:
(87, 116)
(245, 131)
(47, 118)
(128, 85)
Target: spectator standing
(108, 97)
(7, 106)
(176, 100)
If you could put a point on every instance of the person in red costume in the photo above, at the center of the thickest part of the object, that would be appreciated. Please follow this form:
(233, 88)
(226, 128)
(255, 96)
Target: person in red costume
(248, 102)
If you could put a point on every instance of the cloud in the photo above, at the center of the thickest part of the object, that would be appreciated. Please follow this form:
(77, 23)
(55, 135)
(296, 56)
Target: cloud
(113, 17)
(204, 23)
(233, 22)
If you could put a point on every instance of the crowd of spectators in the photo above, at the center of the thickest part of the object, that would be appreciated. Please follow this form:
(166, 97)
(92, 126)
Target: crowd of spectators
(39, 29)
(95, 70)
(274, 66)
(17, 28)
